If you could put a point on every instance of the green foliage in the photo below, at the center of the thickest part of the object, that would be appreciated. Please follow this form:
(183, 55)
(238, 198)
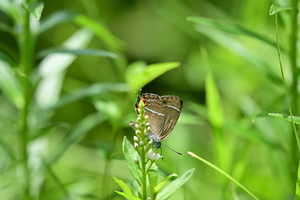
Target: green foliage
(35, 9)
(67, 84)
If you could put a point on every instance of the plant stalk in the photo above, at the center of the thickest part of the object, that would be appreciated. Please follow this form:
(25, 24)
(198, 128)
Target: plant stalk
(26, 64)
(143, 157)
(295, 96)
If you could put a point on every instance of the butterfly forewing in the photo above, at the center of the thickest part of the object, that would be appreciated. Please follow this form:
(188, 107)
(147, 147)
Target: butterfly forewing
(172, 110)
(155, 111)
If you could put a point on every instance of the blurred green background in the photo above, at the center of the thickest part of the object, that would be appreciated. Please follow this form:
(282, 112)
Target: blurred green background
(68, 83)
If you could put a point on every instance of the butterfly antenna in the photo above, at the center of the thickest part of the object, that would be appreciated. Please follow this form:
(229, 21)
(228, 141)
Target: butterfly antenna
(173, 150)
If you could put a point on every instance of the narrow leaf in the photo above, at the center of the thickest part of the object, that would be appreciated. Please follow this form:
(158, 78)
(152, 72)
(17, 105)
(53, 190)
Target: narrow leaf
(55, 19)
(152, 177)
(35, 9)
(8, 59)
(286, 117)
(298, 184)
(77, 133)
(222, 172)
(52, 69)
(175, 185)
(147, 74)
(161, 184)
(95, 89)
(229, 43)
(230, 28)
(128, 196)
(276, 9)
(8, 29)
(77, 52)
(10, 85)
(124, 187)
(99, 30)
(130, 153)
(213, 102)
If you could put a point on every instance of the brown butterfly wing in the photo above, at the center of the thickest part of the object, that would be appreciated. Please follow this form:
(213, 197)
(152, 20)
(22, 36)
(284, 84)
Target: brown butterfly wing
(172, 110)
(155, 111)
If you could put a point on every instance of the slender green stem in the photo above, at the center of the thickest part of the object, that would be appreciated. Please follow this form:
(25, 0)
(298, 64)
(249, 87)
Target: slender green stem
(295, 96)
(295, 147)
(143, 157)
(26, 51)
(283, 80)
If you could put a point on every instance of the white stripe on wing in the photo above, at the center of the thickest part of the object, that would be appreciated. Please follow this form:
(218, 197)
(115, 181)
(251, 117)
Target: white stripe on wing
(154, 112)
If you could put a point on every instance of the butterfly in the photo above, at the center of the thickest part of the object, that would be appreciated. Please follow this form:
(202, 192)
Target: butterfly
(163, 113)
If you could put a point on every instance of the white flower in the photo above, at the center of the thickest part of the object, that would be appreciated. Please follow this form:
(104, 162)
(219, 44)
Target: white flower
(139, 117)
(136, 161)
(150, 154)
(147, 124)
(135, 145)
(141, 143)
(146, 116)
(157, 156)
(137, 132)
(135, 138)
(151, 141)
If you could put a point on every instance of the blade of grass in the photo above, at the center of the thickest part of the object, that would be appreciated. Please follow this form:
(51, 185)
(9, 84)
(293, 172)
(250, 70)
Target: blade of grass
(10, 85)
(76, 134)
(283, 81)
(77, 52)
(231, 28)
(298, 184)
(296, 119)
(222, 172)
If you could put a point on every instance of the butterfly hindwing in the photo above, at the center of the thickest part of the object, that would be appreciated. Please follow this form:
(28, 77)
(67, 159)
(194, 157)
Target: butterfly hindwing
(172, 109)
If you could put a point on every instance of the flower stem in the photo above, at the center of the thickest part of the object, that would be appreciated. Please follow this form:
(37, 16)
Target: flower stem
(26, 64)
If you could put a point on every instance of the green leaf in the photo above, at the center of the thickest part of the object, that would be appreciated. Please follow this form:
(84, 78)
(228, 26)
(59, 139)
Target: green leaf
(231, 28)
(52, 70)
(298, 184)
(92, 90)
(286, 117)
(141, 75)
(175, 185)
(130, 153)
(213, 102)
(128, 196)
(99, 30)
(35, 9)
(222, 172)
(10, 85)
(77, 133)
(77, 52)
(124, 187)
(228, 42)
(8, 29)
(152, 176)
(55, 19)
(10, 9)
(276, 9)
(8, 59)
(161, 184)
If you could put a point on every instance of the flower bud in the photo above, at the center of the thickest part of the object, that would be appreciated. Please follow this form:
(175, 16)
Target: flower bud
(135, 138)
(135, 145)
(141, 143)
(136, 161)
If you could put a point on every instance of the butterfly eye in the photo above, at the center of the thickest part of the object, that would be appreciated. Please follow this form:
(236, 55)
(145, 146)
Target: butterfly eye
(144, 100)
